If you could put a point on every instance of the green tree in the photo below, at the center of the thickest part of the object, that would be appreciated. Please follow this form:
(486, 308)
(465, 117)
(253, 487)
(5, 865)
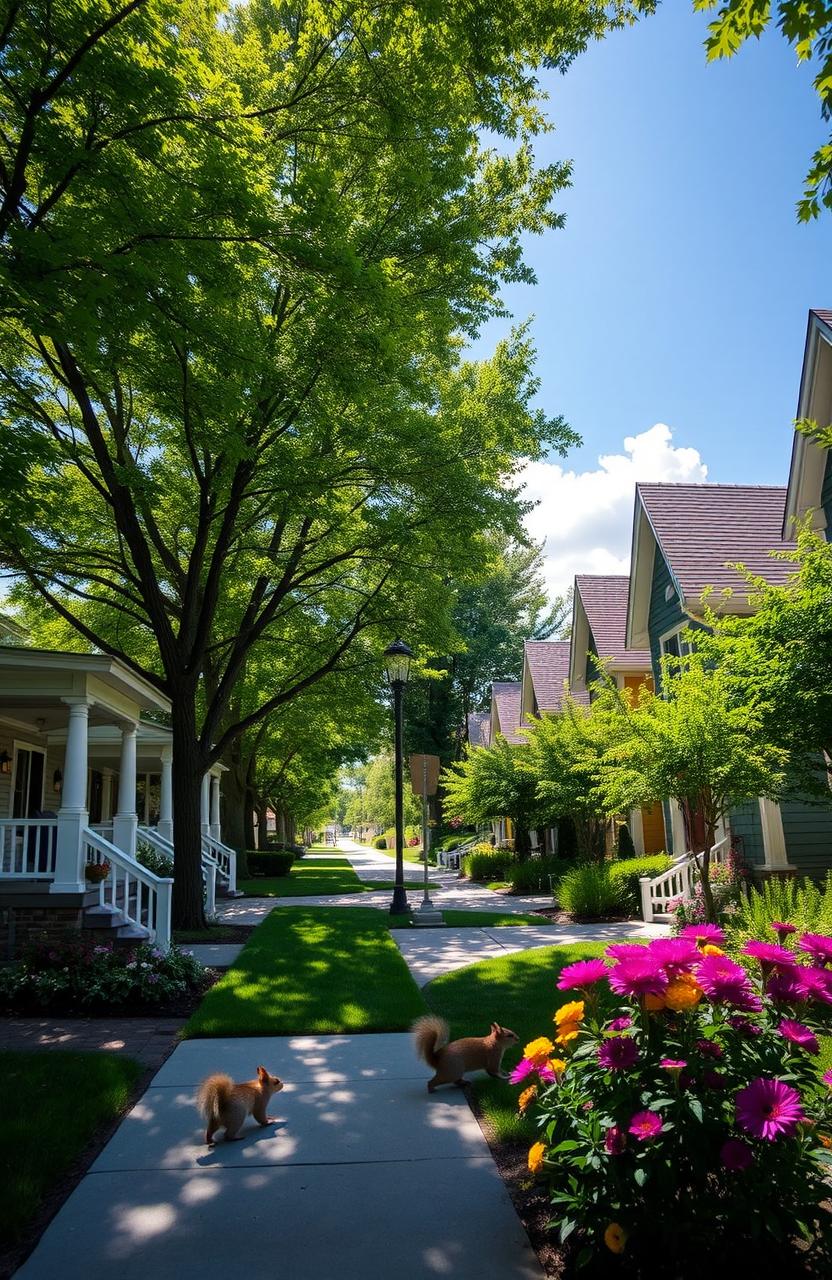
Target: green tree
(807, 26)
(239, 249)
(694, 743)
(566, 755)
(377, 805)
(495, 782)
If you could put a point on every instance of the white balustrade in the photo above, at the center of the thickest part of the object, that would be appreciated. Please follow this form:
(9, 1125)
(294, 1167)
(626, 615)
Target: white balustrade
(141, 897)
(679, 881)
(28, 848)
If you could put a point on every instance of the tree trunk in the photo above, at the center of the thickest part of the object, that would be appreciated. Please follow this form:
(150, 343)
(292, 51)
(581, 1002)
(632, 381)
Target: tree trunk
(262, 824)
(188, 769)
(522, 841)
(234, 794)
(253, 841)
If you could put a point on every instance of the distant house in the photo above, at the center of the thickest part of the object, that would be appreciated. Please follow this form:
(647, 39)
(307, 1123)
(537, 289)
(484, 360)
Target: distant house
(685, 539)
(545, 682)
(599, 626)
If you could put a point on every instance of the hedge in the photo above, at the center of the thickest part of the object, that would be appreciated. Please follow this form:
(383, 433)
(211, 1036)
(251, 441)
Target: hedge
(270, 862)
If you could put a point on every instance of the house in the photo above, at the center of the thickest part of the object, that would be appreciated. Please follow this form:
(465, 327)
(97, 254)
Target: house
(505, 711)
(599, 626)
(810, 474)
(86, 775)
(686, 537)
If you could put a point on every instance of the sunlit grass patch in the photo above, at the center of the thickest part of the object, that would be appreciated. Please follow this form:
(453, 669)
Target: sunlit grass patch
(317, 877)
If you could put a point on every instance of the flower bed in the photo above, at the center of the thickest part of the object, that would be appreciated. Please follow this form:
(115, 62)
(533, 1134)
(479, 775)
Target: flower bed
(81, 977)
(679, 1101)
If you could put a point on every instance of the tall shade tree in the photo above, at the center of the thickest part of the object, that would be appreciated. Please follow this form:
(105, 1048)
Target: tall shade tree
(566, 754)
(239, 250)
(496, 782)
(694, 743)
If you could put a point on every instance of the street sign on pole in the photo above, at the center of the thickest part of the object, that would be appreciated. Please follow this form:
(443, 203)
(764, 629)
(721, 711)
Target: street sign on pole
(424, 777)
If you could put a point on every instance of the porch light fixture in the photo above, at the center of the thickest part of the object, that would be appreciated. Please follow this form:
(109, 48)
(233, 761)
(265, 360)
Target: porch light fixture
(397, 657)
(5, 762)
(57, 782)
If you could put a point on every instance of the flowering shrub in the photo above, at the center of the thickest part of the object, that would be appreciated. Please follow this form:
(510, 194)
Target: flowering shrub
(729, 885)
(94, 976)
(679, 1099)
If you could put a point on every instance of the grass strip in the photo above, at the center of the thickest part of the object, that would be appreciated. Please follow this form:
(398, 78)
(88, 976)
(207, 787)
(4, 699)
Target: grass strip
(315, 877)
(313, 969)
(476, 920)
(53, 1105)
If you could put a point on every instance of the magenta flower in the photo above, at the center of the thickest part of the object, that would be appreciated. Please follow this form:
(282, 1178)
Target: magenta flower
(723, 980)
(786, 986)
(615, 1140)
(736, 1155)
(827, 1079)
(710, 1049)
(782, 929)
(547, 1075)
(618, 1053)
(620, 1024)
(746, 1028)
(582, 974)
(703, 933)
(673, 1064)
(522, 1071)
(819, 947)
(624, 950)
(676, 954)
(797, 1034)
(638, 976)
(817, 983)
(645, 1125)
(769, 1109)
(768, 953)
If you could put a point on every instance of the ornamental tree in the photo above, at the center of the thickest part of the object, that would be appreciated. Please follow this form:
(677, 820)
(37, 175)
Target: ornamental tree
(496, 782)
(566, 753)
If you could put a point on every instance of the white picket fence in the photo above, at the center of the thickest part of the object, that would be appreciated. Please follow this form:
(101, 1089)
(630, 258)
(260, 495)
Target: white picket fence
(678, 882)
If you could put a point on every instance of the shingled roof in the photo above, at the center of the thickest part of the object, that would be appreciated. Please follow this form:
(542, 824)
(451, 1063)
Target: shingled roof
(505, 697)
(479, 729)
(702, 528)
(547, 666)
(604, 600)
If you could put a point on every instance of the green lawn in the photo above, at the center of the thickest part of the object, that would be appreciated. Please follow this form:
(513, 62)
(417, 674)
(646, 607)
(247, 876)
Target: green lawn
(475, 920)
(53, 1103)
(313, 969)
(517, 991)
(315, 877)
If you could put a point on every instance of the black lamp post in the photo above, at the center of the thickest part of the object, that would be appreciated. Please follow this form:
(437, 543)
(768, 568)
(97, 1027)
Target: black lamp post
(397, 658)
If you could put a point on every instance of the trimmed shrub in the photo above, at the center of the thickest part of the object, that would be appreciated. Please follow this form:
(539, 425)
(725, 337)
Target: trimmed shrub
(270, 862)
(536, 875)
(626, 876)
(380, 842)
(155, 861)
(486, 863)
(626, 848)
(589, 889)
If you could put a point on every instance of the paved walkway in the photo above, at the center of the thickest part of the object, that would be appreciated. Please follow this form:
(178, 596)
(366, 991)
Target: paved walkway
(365, 1175)
(148, 1040)
(217, 955)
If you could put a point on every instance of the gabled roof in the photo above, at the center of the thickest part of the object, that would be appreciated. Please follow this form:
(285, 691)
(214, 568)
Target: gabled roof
(505, 710)
(479, 729)
(599, 620)
(808, 462)
(545, 677)
(701, 529)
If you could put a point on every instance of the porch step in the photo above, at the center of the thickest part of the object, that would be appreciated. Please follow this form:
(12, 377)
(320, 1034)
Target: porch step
(224, 892)
(113, 926)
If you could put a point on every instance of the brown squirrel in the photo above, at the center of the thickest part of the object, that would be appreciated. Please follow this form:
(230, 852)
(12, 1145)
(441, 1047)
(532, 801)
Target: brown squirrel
(226, 1105)
(451, 1061)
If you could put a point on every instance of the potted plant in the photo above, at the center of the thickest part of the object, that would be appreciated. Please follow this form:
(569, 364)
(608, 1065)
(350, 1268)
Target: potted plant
(96, 872)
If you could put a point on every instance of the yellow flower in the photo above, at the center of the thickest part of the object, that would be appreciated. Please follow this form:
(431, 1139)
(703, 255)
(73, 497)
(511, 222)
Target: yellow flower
(710, 950)
(683, 993)
(571, 1012)
(653, 1004)
(536, 1154)
(615, 1238)
(527, 1097)
(538, 1050)
(568, 1033)
(557, 1065)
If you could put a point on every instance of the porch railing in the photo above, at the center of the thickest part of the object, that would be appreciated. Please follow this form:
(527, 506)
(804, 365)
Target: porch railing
(140, 896)
(224, 858)
(217, 860)
(28, 848)
(678, 882)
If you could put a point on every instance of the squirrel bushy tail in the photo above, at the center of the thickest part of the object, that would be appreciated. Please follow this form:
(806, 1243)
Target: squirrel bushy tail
(430, 1034)
(213, 1094)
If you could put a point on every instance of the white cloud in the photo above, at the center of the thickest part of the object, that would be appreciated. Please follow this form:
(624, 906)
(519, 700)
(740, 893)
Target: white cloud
(585, 518)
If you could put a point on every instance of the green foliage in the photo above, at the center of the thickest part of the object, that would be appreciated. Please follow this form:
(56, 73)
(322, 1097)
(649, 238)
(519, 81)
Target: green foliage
(626, 848)
(55, 1107)
(380, 842)
(808, 29)
(589, 891)
(799, 902)
(157, 862)
(566, 755)
(313, 971)
(495, 782)
(270, 862)
(371, 798)
(626, 875)
(487, 863)
(536, 875)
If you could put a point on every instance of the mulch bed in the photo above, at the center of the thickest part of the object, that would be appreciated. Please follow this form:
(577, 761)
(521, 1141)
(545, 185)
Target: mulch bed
(556, 916)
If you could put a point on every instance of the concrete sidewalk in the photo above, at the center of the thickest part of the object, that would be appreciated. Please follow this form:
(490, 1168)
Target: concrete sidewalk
(364, 1175)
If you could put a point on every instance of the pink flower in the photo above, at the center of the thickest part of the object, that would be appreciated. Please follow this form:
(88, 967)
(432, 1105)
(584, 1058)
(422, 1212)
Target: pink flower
(702, 933)
(819, 947)
(615, 1140)
(673, 1064)
(645, 1125)
(618, 1053)
(782, 929)
(710, 1049)
(769, 1109)
(582, 974)
(817, 983)
(675, 954)
(736, 1155)
(525, 1068)
(547, 1075)
(714, 1079)
(768, 953)
(786, 985)
(638, 976)
(827, 1079)
(723, 980)
(625, 950)
(620, 1024)
(797, 1034)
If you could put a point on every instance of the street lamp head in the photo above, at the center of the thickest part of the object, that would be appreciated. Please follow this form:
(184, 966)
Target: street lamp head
(397, 658)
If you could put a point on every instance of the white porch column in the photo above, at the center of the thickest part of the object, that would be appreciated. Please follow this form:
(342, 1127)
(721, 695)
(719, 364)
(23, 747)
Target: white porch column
(106, 795)
(637, 831)
(126, 819)
(165, 827)
(677, 825)
(204, 805)
(774, 838)
(72, 815)
(215, 807)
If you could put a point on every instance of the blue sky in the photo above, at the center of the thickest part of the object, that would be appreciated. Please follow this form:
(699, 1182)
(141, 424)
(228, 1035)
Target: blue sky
(679, 289)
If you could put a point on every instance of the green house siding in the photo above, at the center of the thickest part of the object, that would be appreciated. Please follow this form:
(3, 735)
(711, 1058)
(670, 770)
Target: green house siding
(808, 831)
(745, 822)
(826, 495)
(592, 669)
(664, 614)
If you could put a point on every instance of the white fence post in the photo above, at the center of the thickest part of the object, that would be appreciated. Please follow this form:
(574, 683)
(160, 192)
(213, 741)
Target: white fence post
(646, 903)
(210, 869)
(164, 904)
(232, 872)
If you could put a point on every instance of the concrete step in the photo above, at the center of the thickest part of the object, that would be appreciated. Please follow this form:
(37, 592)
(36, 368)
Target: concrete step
(105, 917)
(133, 933)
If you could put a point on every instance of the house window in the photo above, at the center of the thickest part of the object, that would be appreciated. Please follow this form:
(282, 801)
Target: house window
(674, 645)
(27, 784)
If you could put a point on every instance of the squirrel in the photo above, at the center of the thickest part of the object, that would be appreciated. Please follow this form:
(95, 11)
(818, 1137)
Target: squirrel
(226, 1105)
(451, 1061)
